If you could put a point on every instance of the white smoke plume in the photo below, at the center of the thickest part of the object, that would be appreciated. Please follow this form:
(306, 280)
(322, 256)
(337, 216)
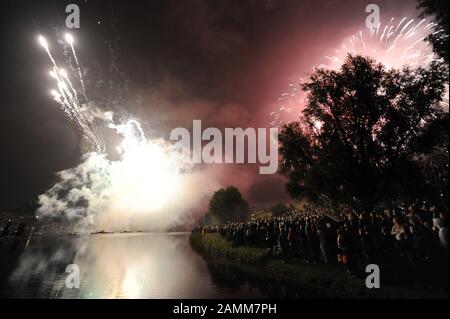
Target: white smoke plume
(150, 187)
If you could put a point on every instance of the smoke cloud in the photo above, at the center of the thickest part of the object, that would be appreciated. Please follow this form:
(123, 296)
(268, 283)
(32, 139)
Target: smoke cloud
(148, 187)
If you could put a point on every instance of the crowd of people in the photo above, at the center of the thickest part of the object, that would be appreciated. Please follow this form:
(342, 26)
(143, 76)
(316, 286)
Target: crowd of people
(411, 235)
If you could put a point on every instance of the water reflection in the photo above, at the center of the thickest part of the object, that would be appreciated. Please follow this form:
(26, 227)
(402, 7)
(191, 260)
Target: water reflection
(111, 266)
(231, 277)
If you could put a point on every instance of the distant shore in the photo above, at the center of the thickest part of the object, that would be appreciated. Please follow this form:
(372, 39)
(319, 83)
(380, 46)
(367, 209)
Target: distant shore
(323, 280)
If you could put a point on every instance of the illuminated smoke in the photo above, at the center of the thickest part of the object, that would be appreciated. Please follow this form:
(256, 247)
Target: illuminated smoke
(150, 186)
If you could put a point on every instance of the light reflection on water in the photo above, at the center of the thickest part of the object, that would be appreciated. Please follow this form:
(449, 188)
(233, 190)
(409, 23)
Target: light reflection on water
(141, 265)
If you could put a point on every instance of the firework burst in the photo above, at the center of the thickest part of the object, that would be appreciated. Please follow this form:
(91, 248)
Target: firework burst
(150, 185)
(397, 44)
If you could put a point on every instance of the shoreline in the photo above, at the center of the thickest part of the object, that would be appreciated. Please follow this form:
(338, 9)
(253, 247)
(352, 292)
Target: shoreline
(323, 280)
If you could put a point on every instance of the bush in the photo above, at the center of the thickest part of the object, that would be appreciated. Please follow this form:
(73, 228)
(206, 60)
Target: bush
(213, 244)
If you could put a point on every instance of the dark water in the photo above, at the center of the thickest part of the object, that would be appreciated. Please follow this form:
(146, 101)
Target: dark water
(138, 265)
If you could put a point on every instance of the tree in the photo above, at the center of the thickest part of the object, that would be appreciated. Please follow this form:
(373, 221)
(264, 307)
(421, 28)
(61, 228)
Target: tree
(227, 204)
(357, 138)
(432, 156)
(439, 11)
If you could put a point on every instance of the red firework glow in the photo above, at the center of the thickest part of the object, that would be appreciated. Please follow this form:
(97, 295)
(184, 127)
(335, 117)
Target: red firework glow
(396, 44)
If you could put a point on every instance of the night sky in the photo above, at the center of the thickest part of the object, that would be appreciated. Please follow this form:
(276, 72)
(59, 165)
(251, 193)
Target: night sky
(166, 63)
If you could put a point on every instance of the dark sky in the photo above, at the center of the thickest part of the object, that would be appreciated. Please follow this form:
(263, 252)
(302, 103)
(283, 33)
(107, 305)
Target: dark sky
(167, 63)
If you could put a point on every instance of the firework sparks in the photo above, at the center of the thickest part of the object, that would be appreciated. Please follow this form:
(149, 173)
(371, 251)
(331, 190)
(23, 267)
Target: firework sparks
(70, 40)
(43, 42)
(395, 44)
(67, 96)
(138, 189)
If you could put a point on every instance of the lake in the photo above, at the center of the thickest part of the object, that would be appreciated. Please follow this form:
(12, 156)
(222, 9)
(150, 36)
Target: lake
(128, 265)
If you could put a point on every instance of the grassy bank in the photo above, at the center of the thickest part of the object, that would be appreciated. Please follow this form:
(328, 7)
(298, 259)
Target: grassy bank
(214, 245)
(320, 280)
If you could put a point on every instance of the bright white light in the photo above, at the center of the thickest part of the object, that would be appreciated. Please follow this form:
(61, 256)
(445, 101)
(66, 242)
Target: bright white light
(145, 179)
(149, 186)
(43, 42)
(53, 74)
(69, 38)
(132, 284)
(63, 72)
(318, 125)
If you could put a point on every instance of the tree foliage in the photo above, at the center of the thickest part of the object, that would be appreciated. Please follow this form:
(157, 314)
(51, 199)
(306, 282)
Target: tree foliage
(227, 204)
(360, 132)
(439, 11)
(279, 209)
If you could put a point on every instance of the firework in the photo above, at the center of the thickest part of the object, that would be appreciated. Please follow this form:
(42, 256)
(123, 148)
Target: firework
(66, 95)
(150, 184)
(43, 42)
(396, 44)
(70, 40)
